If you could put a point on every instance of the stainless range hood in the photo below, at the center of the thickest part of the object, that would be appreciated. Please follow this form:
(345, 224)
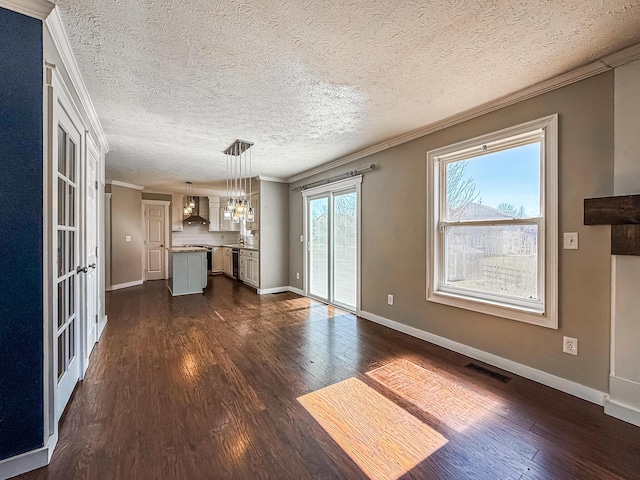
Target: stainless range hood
(196, 219)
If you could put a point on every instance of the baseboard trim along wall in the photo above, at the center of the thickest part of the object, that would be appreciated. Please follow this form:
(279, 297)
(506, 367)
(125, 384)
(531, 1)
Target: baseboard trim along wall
(101, 325)
(623, 412)
(562, 384)
(296, 290)
(124, 285)
(623, 401)
(266, 291)
(25, 462)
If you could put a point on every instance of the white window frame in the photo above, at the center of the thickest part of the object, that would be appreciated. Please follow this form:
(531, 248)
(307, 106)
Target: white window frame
(544, 313)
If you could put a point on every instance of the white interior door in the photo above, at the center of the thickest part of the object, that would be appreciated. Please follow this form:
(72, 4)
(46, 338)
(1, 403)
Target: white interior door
(66, 239)
(91, 251)
(154, 221)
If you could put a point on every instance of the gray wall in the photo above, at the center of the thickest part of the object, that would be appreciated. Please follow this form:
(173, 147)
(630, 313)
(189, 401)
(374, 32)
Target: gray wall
(274, 235)
(394, 238)
(126, 219)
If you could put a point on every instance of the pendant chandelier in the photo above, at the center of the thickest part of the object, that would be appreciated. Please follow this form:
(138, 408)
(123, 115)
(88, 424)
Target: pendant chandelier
(190, 202)
(238, 206)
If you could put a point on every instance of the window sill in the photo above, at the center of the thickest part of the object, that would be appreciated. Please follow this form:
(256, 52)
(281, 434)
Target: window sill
(512, 312)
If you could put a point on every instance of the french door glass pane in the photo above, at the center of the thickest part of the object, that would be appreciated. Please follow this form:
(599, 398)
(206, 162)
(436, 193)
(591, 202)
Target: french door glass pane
(319, 247)
(62, 302)
(344, 249)
(62, 148)
(72, 206)
(72, 161)
(62, 257)
(72, 342)
(72, 251)
(62, 201)
(61, 355)
(72, 298)
(494, 259)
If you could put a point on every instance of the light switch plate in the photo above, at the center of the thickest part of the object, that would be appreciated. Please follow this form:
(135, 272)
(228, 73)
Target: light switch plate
(571, 240)
(127, 238)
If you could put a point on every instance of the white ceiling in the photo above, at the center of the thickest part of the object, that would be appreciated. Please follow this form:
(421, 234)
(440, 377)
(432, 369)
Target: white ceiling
(175, 82)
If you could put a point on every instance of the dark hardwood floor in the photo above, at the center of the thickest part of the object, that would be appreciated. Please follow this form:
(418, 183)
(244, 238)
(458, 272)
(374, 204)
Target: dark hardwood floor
(210, 386)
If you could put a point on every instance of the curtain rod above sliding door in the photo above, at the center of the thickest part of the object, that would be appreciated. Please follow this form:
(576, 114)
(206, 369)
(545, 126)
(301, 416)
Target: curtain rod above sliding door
(350, 174)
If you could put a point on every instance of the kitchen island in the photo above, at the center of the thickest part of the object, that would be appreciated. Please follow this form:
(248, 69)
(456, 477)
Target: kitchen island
(187, 270)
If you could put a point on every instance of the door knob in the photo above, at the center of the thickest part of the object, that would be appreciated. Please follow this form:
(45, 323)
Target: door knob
(93, 265)
(81, 270)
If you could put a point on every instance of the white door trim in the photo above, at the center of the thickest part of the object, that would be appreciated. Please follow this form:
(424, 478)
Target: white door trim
(167, 228)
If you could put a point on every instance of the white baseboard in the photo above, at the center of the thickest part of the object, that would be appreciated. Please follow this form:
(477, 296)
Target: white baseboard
(562, 384)
(25, 462)
(266, 291)
(101, 325)
(125, 285)
(623, 412)
(296, 290)
(623, 401)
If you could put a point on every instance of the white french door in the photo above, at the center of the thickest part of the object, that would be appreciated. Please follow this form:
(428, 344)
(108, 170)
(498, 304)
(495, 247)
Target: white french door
(332, 231)
(66, 240)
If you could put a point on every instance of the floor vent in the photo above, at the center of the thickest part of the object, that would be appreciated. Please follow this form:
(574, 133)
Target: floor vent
(487, 372)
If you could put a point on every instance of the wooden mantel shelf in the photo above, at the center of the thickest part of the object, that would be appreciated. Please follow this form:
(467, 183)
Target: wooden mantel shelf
(623, 214)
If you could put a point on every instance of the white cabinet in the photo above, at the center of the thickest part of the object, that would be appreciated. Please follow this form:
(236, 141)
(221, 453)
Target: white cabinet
(254, 272)
(228, 225)
(177, 213)
(227, 261)
(214, 214)
(218, 259)
(250, 267)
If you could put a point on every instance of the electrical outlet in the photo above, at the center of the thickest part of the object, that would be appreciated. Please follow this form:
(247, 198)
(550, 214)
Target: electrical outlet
(390, 299)
(127, 238)
(570, 345)
(301, 238)
(297, 275)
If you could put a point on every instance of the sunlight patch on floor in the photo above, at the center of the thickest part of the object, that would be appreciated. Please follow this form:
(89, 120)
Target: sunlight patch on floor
(438, 396)
(384, 440)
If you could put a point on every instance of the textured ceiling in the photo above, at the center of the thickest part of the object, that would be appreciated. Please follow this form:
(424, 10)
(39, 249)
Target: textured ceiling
(175, 82)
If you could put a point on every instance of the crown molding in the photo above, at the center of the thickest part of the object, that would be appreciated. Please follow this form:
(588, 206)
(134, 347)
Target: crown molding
(626, 55)
(581, 73)
(54, 24)
(39, 9)
(264, 178)
(118, 183)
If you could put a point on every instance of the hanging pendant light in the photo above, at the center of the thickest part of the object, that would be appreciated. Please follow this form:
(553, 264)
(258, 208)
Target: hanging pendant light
(190, 201)
(239, 182)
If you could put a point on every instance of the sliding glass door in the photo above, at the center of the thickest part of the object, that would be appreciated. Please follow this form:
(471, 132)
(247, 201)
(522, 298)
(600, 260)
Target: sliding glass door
(319, 247)
(332, 244)
(345, 244)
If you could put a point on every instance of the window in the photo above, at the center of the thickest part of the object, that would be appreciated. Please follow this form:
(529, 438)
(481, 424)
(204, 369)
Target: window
(492, 223)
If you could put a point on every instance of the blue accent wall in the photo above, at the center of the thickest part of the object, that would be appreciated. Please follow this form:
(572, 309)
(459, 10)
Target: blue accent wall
(21, 217)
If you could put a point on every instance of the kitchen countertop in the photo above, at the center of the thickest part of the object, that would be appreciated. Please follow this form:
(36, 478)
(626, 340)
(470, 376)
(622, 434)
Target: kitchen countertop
(178, 249)
(243, 247)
